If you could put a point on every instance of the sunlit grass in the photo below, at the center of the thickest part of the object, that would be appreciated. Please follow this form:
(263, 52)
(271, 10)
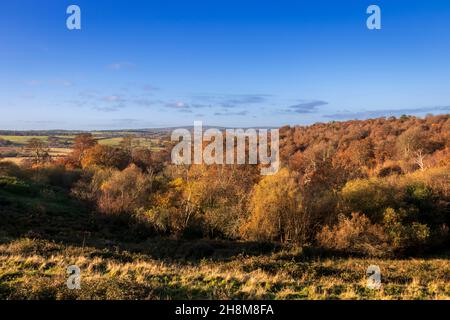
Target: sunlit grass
(37, 270)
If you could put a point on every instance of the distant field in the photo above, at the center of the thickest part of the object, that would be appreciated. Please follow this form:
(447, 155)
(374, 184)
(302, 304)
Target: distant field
(23, 139)
(54, 152)
(58, 152)
(21, 142)
(110, 141)
(143, 142)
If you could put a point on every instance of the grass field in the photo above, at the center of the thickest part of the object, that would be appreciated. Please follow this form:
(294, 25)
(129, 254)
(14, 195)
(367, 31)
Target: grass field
(54, 152)
(43, 231)
(23, 139)
(143, 142)
(36, 269)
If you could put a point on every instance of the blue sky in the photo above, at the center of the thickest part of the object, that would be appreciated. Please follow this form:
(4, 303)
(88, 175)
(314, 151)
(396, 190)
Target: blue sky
(236, 63)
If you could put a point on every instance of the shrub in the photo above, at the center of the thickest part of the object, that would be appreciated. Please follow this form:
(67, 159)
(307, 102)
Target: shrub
(55, 175)
(11, 169)
(413, 208)
(106, 157)
(275, 210)
(390, 170)
(221, 195)
(142, 157)
(356, 235)
(174, 212)
(16, 186)
(369, 196)
(405, 234)
(125, 191)
(88, 188)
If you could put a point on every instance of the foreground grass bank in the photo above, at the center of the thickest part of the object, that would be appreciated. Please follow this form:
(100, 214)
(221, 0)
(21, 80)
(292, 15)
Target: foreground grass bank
(36, 269)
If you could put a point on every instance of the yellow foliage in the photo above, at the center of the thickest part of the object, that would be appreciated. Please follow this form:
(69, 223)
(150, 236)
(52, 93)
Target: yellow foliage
(275, 209)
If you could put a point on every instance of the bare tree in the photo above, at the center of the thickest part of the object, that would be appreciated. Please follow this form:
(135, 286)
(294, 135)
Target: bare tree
(38, 150)
(419, 157)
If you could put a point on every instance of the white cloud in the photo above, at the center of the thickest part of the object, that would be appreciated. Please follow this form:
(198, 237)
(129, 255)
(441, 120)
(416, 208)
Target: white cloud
(120, 65)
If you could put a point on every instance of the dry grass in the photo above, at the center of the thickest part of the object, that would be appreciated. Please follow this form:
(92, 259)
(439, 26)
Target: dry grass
(16, 160)
(54, 152)
(31, 269)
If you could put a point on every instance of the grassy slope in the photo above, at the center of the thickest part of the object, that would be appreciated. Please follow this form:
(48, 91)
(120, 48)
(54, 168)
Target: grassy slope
(43, 232)
(37, 269)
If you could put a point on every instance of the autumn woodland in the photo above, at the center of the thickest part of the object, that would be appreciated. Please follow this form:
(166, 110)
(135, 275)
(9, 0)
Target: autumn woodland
(348, 194)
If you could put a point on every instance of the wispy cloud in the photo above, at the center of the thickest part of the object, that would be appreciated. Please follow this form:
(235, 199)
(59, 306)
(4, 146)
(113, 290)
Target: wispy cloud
(120, 65)
(123, 123)
(185, 107)
(177, 105)
(58, 82)
(42, 122)
(385, 113)
(63, 82)
(230, 101)
(149, 88)
(28, 96)
(113, 98)
(88, 94)
(33, 83)
(111, 108)
(239, 113)
(111, 102)
(144, 102)
(126, 121)
(220, 105)
(306, 106)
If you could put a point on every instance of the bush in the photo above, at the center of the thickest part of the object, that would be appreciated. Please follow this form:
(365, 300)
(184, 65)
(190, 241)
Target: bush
(355, 235)
(55, 175)
(427, 191)
(390, 170)
(88, 188)
(275, 210)
(106, 157)
(16, 186)
(203, 201)
(125, 191)
(11, 169)
(173, 211)
(405, 234)
(220, 194)
(413, 208)
(369, 196)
